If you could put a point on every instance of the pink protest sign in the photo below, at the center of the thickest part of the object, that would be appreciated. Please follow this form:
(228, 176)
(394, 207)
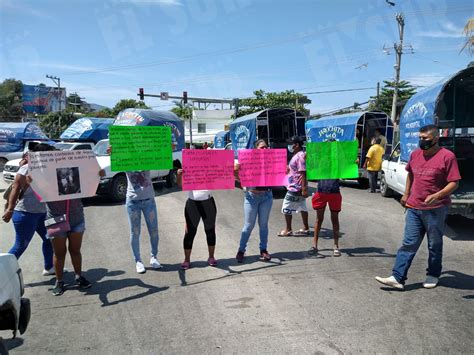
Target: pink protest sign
(263, 167)
(208, 169)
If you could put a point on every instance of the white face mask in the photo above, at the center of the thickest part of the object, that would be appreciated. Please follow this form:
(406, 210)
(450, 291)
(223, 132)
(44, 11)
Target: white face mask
(290, 148)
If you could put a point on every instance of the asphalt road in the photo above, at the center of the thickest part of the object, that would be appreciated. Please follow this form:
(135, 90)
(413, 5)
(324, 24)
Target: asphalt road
(293, 304)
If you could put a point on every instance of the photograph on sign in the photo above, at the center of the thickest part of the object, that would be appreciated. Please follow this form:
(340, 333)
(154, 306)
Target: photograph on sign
(136, 148)
(63, 175)
(262, 167)
(68, 180)
(208, 169)
(332, 160)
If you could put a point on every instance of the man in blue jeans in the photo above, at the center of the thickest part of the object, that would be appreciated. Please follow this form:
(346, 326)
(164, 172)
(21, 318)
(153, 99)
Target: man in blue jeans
(433, 175)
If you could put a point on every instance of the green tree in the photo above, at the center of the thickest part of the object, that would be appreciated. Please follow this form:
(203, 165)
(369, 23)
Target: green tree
(11, 107)
(54, 123)
(181, 110)
(74, 103)
(266, 100)
(104, 113)
(384, 101)
(127, 103)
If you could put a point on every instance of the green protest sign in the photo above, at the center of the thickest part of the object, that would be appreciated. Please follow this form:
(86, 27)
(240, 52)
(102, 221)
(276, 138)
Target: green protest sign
(140, 148)
(331, 160)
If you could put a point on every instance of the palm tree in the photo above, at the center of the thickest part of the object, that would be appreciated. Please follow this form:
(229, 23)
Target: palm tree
(182, 110)
(469, 32)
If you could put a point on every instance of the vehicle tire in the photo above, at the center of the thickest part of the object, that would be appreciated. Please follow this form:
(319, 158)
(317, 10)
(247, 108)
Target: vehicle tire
(3, 347)
(171, 178)
(3, 161)
(118, 191)
(385, 191)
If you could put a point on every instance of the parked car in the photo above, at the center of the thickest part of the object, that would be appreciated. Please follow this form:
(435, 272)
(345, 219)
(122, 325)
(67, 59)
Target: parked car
(447, 104)
(11, 168)
(15, 310)
(15, 138)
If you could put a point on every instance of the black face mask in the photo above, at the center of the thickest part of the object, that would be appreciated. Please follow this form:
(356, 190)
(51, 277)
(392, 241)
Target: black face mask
(426, 144)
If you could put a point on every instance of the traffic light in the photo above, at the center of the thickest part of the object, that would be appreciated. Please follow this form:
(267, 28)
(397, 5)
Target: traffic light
(141, 93)
(185, 97)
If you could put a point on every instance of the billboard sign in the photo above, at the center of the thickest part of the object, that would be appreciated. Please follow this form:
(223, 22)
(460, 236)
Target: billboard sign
(42, 99)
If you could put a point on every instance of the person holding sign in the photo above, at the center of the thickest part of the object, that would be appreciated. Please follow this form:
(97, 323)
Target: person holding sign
(295, 198)
(258, 203)
(65, 224)
(328, 193)
(28, 214)
(140, 199)
(200, 204)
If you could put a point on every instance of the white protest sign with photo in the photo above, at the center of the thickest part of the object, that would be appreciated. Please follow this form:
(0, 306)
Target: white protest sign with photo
(63, 175)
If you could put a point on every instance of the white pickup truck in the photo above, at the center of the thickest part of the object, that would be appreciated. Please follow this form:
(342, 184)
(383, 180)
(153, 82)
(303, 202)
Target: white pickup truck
(114, 184)
(394, 176)
(15, 310)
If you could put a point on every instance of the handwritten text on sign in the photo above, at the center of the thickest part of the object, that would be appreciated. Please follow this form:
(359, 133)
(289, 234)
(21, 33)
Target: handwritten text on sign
(63, 175)
(140, 148)
(262, 167)
(331, 160)
(208, 169)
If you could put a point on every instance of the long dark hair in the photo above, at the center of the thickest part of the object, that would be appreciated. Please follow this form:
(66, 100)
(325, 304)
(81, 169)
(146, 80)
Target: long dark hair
(42, 147)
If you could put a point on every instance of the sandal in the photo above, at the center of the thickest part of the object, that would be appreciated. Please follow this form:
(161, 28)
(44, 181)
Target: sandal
(313, 251)
(303, 232)
(185, 265)
(336, 252)
(285, 234)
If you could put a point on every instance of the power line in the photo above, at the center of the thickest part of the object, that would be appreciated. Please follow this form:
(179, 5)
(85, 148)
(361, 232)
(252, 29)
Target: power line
(244, 48)
(333, 91)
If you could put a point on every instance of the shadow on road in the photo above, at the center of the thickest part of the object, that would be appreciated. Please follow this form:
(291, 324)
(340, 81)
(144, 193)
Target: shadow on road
(367, 252)
(449, 279)
(223, 264)
(457, 280)
(103, 288)
(459, 228)
(11, 344)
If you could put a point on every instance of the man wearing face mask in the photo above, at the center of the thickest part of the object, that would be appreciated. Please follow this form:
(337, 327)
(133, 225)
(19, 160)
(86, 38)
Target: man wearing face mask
(433, 175)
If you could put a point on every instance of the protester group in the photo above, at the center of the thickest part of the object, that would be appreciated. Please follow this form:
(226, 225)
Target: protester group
(433, 175)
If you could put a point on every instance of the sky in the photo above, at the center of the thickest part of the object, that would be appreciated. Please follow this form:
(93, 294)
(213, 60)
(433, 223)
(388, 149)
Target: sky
(106, 49)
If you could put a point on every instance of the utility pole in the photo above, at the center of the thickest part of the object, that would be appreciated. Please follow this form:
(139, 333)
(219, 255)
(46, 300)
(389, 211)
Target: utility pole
(57, 81)
(378, 92)
(398, 52)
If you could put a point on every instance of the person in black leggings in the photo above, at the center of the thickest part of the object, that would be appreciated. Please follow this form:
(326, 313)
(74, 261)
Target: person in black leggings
(200, 204)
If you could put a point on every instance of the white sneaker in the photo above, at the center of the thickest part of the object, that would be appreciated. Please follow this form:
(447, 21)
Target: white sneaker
(140, 267)
(390, 281)
(155, 264)
(430, 282)
(49, 272)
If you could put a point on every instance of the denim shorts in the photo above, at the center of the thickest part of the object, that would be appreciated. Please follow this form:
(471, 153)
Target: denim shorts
(76, 228)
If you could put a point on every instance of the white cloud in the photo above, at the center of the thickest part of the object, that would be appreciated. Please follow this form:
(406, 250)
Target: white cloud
(448, 30)
(70, 68)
